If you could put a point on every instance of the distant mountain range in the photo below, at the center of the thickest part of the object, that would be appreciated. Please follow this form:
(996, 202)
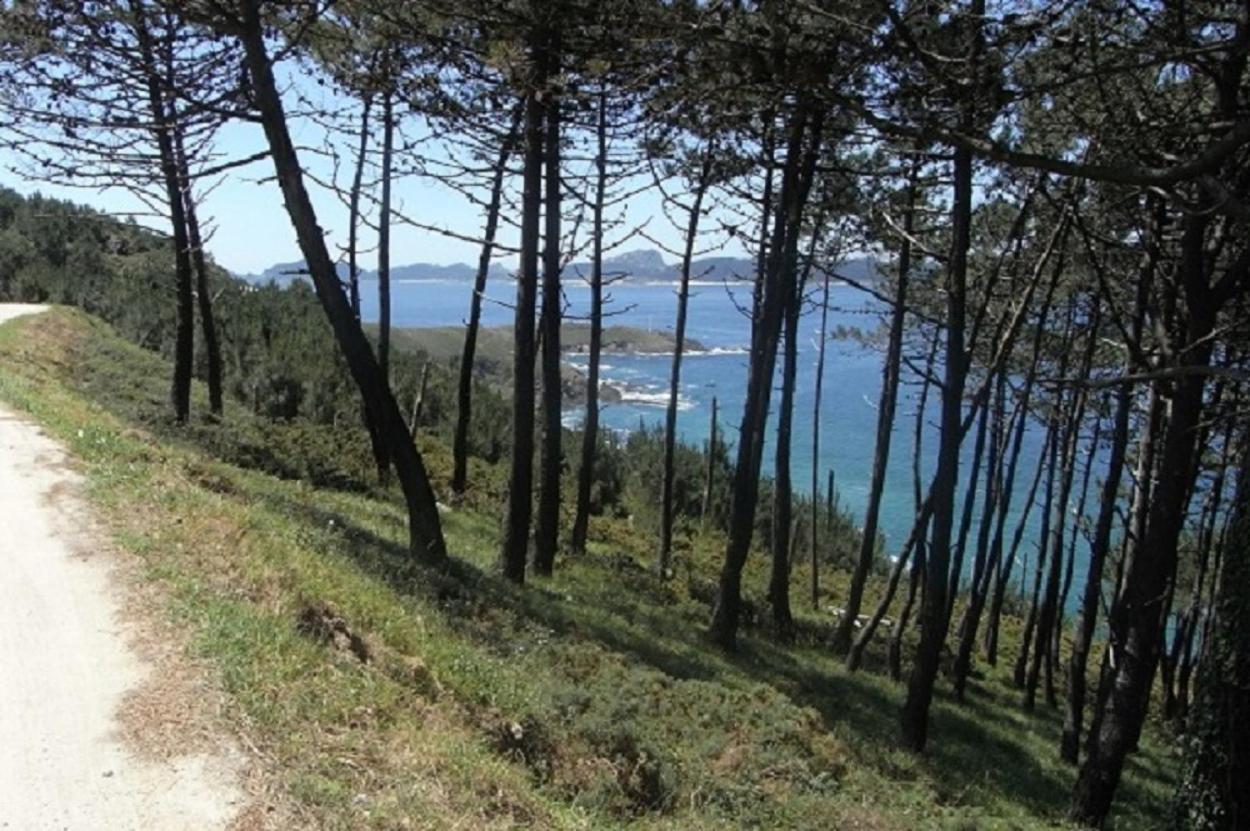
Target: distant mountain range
(639, 266)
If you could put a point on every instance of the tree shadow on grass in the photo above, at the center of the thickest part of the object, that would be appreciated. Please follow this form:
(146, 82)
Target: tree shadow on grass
(978, 752)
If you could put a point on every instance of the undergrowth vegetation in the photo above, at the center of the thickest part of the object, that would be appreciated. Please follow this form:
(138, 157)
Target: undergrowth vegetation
(386, 695)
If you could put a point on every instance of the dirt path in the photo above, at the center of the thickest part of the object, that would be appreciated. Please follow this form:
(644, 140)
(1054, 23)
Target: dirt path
(69, 666)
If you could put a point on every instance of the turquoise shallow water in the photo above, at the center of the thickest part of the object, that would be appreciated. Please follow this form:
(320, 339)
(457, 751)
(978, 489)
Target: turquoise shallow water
(851, 386)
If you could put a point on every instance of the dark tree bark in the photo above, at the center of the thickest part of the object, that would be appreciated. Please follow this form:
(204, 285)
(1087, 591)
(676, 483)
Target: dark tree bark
(381, 452)
(710, 473)
(885, 427)
(783, 488)
(184, 333)
(590, 425)
(820, 385)
(516, 529)
(664, 560)
(914, 721)
(1100, 545)
(1044, 646)
(353, 210)
(464, 389)
(1213, 792)
(803, 148)
(203, 292)
(424, 528)
(854, 655)
(1136, 629)
(1054, 445)
(547, 524)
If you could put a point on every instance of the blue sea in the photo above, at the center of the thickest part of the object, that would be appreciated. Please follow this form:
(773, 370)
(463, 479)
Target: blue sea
(716, 320)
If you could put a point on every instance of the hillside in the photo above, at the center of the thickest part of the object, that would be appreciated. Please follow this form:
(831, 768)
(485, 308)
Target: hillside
(382, 695)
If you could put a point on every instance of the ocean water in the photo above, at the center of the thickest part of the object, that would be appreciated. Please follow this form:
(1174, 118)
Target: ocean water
(717, 321)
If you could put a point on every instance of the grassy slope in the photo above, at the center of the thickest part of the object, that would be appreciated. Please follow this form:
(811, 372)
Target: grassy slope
(587, 701)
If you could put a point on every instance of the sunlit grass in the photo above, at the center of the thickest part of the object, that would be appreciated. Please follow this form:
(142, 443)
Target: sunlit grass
(586, 700)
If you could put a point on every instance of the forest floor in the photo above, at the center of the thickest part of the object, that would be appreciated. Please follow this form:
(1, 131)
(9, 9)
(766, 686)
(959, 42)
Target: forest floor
(91, 699)
(386, 695)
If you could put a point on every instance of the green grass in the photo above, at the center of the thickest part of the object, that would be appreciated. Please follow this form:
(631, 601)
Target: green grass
(586, 701)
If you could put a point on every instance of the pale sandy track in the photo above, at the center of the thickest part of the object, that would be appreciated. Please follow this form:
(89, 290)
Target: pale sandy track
(67, 664)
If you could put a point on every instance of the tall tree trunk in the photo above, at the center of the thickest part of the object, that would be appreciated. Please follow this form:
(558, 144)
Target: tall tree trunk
(1044, 647)
(353, 209)
(424, 528)
(184, 332)
(820, 384)
(885, 427)
(923, 508)
(1135, 631)
(521, 477)
(468, 356)
(203, 291)
(914, 720)
(547, 526)
(380, 450)
(969, 504)
(664, 560)
(804, 146)
(1055, 447)
(1217, 762)
(1099, 546)
(590, 424)
(783, 488)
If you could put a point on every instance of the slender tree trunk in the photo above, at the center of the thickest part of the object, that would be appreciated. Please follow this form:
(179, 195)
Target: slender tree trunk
(203, 291)
(1137, 625)
(1100, 545)
(820, 383)
(547, 526)
(914, 719)
(353, 209)
(710, 473)
(664, 560)
(424, 528)
(590, 425)
(894, 654)
(381, 454)
(184, 332)
(969, 504)
(464, 390)
(1217, 762)
(885, 427)
(521, 478)
(1054, 445)
(783, 488)
(779, 282)
(418, 400)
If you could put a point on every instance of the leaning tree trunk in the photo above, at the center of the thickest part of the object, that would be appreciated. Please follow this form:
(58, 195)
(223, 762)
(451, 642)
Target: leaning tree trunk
(547, 524)
(1213, 790)
(664, 561)
(590, 425)
(516, 528)
(1137, 626)
(885, 427)
(424, 528)
(1099, 546)
(464, 390)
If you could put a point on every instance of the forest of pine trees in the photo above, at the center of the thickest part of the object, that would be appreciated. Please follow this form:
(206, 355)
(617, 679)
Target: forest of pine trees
(1056, 194)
